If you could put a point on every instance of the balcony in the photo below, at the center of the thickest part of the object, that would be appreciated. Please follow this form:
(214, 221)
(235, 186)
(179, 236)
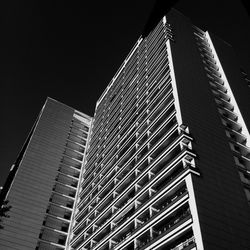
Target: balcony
(52, 236)
(155, 155)
(171, 177)
(170, 158)
(230, 124)
(186, 245)
(77, 139)
(245, 178)
(80, 125)
(78, 132)
(58, 211)
(69, 171)
(163, 227)
(56, 224)
(182, 241)
(143, 218)
(75, 146)
(61, 200)
(73, 154)
(236, 136)
(71, 162)
(242, 163)
(224, 104)
(67, 180)
(228, 114)
(64, 190)
(240, 149)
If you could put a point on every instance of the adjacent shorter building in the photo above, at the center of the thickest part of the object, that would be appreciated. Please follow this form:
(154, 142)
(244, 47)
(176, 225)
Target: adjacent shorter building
(164, 164)
(42, 184)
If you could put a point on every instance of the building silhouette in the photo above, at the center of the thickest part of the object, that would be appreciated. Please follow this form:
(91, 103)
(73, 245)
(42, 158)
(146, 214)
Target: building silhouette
(42, 184)
(167, 161)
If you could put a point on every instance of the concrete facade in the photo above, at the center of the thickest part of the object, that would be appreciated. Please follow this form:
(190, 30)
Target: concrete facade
(38, 180)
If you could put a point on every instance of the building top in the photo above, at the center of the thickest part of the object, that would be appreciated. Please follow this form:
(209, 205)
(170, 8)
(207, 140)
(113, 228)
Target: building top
(82, 116)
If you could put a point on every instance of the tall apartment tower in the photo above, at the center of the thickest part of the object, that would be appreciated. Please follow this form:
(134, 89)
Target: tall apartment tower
(42, 184)
(168, 164)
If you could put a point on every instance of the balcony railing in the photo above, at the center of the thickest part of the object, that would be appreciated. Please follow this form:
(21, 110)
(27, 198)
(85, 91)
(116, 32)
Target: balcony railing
(165, 230)
(184, 245)
(172, 179)
(156, 153)
(124, 220)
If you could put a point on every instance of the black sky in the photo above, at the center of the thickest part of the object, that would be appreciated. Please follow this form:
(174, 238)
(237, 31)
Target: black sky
(69, 50)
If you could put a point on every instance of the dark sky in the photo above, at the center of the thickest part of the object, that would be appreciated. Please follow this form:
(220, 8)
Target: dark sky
(70, 50)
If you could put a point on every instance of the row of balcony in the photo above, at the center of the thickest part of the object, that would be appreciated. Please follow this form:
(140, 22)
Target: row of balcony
(116, 94)
(52, 236)
(225, 107)
(94, 151)
(162, 204)
(237, 141)
(142, 152)
(157, 112)
(156, 136)
(58, 215)
(76, 123)
(144, 117)
(159, 123)
(160, 222)
(143, 184)
(163, 228)
(94, 141)
(183, 241)
(127, 169)
(155, 35)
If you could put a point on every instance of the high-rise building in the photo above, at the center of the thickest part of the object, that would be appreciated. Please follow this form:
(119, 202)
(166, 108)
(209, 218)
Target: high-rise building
(167, 161)
(42, 184)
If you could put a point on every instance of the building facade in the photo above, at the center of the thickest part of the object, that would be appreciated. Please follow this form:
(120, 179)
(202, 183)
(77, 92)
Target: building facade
(164, 163)
(42, 184)
(168, 161)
